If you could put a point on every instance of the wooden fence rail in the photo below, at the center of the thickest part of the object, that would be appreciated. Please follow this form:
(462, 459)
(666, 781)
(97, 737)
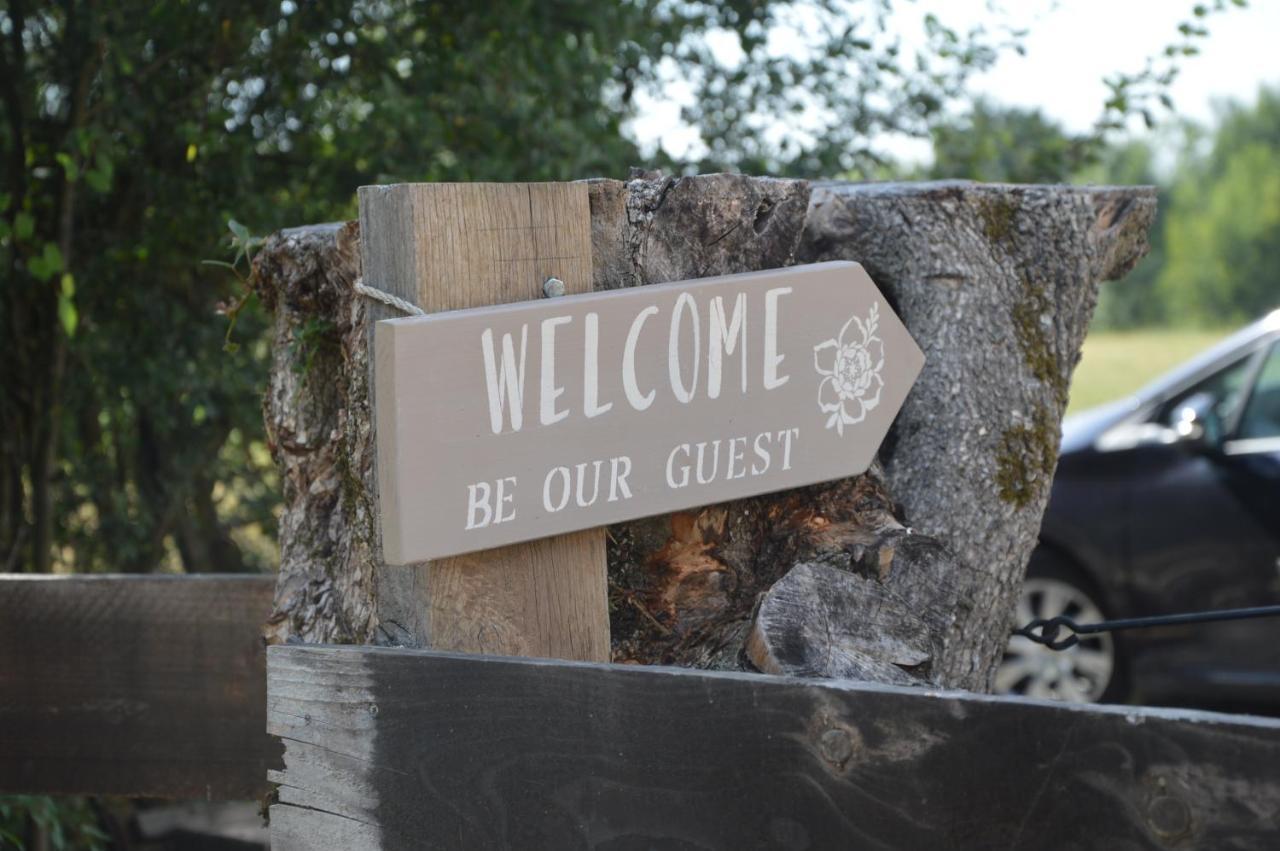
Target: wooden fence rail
(155, 686)
(134, 685)
(416, 749)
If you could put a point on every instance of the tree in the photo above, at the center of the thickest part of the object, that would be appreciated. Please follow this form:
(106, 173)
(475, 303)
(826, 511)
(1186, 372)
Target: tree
(1224, 221)
(130, 438)
(1005, 145)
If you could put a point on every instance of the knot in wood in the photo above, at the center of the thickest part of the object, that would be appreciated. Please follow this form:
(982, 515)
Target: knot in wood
(1169, 817)
(836, 747)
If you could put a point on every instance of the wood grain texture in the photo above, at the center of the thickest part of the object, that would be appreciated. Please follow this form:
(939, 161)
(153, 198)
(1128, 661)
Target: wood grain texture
(820, 621)
(134, 685)
(452, 246)
(411, 749)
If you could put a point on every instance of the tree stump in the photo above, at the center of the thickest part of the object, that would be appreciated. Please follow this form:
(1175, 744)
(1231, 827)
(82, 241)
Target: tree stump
(997, 285)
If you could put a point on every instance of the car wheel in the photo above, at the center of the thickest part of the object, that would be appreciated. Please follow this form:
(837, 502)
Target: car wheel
(1089, 671)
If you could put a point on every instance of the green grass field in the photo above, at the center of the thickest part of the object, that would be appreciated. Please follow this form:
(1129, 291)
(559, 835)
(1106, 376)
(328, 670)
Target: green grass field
(1116, 363)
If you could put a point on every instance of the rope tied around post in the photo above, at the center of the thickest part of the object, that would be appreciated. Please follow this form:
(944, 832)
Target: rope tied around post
(406, 307)
(552, 288)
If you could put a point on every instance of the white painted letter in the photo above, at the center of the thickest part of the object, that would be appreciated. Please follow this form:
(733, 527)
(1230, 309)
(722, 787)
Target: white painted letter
(735, 457)
(618, 481)
(550, 392)
(724, 339)
(673, 351)
(595, 489)
(715, 459)
(563, 472)
(591, 370)
(510, 383)
(638, 400)
(684, 469)
(772, 360)
(762, 454)
(785, 436)
(505, 498)
(478, 499)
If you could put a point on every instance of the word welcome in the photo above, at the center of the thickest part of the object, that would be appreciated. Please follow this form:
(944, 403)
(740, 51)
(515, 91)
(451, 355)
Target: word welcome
(725, 335)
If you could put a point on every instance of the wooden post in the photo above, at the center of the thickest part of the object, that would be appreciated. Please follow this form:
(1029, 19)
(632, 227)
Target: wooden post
(453, 246)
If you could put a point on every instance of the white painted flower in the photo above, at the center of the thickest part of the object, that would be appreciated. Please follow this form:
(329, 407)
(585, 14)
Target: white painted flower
(850, 367)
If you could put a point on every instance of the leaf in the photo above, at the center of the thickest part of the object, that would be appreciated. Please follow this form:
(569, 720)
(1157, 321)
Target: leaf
(24, 225)
(100, 176)
(67, 313)
(192, 151)
(47, 264)
(240, 232)
(68, 165)
(222, 263)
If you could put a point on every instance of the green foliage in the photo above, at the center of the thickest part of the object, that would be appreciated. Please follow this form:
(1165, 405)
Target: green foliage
(1223, 263)
(130, 424)
(1141, 93)
(67, 824)
(1004, 144)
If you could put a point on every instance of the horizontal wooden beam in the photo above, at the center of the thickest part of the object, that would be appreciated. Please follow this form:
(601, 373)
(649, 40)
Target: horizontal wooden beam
(396, 749)
(134, 685)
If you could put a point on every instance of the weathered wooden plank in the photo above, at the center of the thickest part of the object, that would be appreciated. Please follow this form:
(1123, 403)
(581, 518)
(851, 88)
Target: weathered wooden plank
(449, 246)
(421, 749)
(134, 685)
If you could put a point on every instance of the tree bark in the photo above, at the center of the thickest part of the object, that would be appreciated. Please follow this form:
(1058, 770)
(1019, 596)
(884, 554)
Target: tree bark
(997, 284)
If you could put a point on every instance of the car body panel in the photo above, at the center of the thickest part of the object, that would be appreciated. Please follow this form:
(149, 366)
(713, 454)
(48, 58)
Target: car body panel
(1160, 526)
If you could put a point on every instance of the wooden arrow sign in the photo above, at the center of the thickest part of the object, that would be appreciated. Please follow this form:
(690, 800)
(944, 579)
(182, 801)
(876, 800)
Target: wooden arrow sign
(521, 421)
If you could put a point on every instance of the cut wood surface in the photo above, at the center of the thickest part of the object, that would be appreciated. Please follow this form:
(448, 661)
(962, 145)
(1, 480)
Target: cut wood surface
(397, 749)
(997, 285)
(134, 685)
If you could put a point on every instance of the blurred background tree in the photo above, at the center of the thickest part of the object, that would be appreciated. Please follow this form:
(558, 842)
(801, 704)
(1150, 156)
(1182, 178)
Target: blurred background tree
(132, 133)
(1223, 225)
(1006, 145)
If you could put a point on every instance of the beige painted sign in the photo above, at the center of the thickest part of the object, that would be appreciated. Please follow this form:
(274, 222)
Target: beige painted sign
(521, 421)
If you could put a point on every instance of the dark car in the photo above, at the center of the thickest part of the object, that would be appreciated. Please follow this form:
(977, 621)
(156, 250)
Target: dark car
(1167, 501)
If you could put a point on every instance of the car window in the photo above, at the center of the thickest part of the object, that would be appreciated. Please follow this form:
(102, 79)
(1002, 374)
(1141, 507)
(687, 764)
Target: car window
(1261, 416)
(1226, 386)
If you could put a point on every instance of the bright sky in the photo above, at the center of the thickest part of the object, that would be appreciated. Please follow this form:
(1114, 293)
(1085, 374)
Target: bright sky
(1071, 46)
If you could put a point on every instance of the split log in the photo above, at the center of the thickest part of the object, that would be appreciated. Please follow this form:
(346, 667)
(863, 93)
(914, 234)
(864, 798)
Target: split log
(683, 588)
(997, 284)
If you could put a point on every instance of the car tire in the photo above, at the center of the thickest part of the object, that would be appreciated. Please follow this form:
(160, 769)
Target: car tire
(1092, 671)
